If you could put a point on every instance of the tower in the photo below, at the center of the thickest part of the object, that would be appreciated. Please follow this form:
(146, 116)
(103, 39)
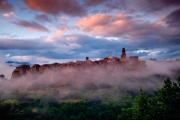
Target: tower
(123, 55)
(87, 58)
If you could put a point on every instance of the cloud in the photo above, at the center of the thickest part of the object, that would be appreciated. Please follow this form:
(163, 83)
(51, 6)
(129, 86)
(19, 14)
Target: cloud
(5, 6)
(103, 47)
(17, 60)
(43, 18)
(173, 19)
(57, 34)
(19, 44)
(8, 15)
(79, 46)
(135, 30)
(149, 6)
(170, 2)
(105, 24)
(117, 25)
(6, 9)
(133, 6)
(76, 7)
(69, 7)
(95, 2)
(32, 26)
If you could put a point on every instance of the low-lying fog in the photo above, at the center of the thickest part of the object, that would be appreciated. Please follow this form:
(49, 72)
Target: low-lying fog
(91, 82)
(5, 69)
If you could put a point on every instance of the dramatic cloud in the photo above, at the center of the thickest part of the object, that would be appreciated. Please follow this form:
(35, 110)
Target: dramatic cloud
(32, 26)
(169, 2)
(118, 25)
(135, 5)
(80, 46)
(5, 6)
(104, 24)
(173, 19)
(74, 29)
(6, 9)
(74, 7)
(70, 7)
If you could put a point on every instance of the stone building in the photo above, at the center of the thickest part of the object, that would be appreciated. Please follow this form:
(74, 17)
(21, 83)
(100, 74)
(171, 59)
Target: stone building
(123, 55)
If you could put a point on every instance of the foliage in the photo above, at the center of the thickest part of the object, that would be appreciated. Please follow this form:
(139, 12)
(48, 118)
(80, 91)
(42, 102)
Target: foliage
(164, 104)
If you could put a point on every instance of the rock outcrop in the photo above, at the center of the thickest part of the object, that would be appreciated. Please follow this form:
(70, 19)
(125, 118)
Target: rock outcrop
(38, 69)
(21, 70)
(25, 69)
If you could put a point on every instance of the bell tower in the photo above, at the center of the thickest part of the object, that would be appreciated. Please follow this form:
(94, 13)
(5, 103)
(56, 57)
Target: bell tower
(123, 55)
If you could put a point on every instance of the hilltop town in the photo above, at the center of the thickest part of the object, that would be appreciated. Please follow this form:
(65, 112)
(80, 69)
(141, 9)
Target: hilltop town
(123, 60)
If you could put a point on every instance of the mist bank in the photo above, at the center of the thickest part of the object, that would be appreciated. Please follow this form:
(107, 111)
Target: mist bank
(95, 82)
(5, 69)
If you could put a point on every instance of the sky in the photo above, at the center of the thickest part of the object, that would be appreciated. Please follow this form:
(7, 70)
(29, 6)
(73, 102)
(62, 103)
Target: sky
(43, 31)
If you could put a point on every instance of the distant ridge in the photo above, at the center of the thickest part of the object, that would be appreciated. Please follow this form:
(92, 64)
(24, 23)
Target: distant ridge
(17, 63)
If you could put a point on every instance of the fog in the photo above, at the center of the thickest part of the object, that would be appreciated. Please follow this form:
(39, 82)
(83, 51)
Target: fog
(110, 82)
(5, 69)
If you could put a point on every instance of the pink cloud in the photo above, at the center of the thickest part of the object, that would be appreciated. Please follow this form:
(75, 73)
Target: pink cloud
(70, 7)
(56, 35)
(8, 15)
(105, 24)
(120, 25)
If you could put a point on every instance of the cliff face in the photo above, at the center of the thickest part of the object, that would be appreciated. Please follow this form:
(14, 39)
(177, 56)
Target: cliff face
(21, 70)
(37, 69)
(25, 69)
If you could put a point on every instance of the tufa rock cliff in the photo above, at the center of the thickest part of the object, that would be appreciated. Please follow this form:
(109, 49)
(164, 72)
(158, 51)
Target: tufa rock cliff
(38, 69)
(132, 61)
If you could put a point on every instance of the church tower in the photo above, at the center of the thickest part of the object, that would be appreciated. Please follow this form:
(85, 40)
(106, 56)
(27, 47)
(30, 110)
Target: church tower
(123, 55)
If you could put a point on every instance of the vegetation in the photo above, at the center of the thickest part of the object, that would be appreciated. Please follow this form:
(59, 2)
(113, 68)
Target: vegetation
(164, 104)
